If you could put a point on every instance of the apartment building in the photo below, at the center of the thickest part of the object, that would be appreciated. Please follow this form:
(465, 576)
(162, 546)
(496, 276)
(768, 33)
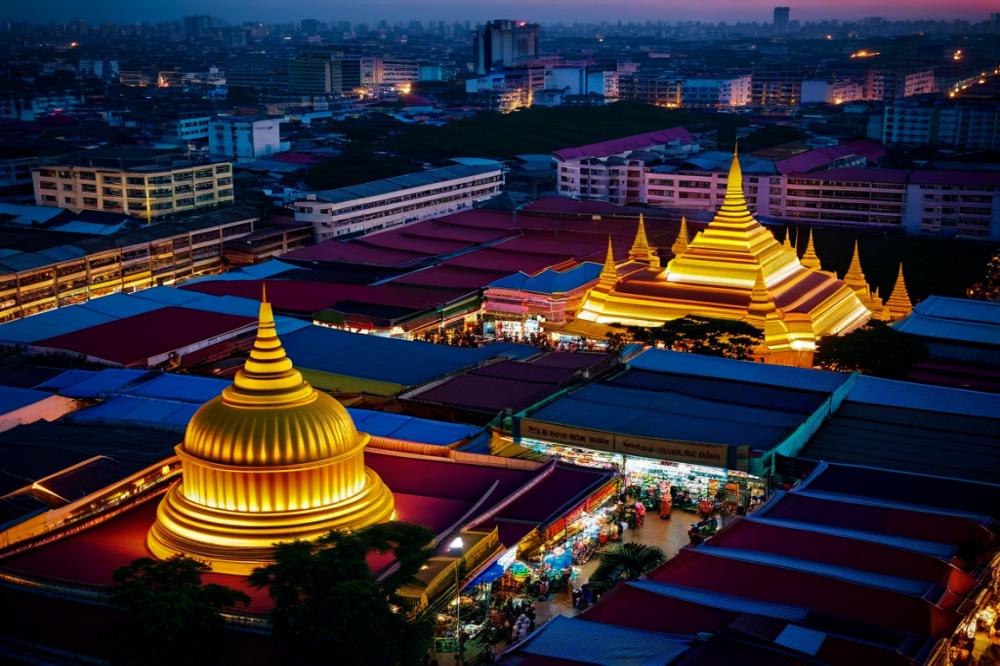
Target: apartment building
(614, 170)
(715, 93)
(391, 202)
(243, 139)
(150, 191)
(932, 120)
(776, 86)
(41, 269)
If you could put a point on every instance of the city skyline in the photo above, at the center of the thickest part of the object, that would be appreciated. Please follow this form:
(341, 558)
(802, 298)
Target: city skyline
(553, 11)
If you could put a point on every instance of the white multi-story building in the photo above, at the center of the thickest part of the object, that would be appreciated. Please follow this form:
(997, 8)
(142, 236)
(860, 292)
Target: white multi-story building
(382, 204)
(716, 93)
(147, 191)
(950, 123)
(32, 108)
(244, 138)
(613, 170)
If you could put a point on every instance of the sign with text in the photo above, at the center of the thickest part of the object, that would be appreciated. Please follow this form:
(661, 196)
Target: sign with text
(712, 455)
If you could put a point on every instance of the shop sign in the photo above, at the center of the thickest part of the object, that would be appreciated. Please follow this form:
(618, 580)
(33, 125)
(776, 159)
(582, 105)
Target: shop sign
(551, 432)
(714, 455)
(700, 454)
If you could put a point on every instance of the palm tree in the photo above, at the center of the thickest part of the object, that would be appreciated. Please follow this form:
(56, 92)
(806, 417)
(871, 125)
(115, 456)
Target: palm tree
(627, 561)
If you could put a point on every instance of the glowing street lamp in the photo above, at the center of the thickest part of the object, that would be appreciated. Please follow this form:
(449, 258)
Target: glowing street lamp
(456, 545)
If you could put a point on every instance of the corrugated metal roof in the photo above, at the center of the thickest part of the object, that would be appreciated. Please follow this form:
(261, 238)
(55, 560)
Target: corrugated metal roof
(551, 281)
(406, 181)
(881, 581)
(605, 644)
(894, 393)
(954, 319)
(12, 399)
(802, 639)
(661, 360)
(722, 601)
(132, 411)
(411, 429)
(667, 415)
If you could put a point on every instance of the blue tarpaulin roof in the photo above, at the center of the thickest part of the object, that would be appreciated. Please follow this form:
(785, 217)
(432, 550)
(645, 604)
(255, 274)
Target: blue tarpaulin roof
(722, 601)
(93, 383)
(668, 415)
(597, 643)
(954, 319)
(260, 271)
(381, 359)
(144, 412)
(551, 281)
(411, 429)
(893, 393)
(661, 360)
(12, 399)
(119, 306)
(183, 388)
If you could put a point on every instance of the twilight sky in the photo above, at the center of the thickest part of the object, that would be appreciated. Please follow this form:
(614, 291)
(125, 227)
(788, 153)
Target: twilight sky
(273, 11)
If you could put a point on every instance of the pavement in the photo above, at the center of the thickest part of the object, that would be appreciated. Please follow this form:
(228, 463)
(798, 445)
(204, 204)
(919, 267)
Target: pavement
(669, 534)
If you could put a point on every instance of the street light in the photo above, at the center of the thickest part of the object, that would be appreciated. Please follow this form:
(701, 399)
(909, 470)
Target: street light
(458, 544)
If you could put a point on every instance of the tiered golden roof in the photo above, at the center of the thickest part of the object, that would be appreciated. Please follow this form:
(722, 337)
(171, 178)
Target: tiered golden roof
(810, 259)
(732, 270)
(855, 279)
(269, 460)
(640, 250)
(899, 304)
(681, 242)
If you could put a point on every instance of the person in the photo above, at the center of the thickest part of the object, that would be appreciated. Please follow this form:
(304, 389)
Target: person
(640, 513)
(543, 590)
(586, 597)
(577, 594)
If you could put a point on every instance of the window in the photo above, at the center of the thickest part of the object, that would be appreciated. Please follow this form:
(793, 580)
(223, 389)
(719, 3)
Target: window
(88, 188)
(88, 175)
(51, 198)
(47, 185)
(132, 180)
(67, 187)
(89, 201)
(69, 200)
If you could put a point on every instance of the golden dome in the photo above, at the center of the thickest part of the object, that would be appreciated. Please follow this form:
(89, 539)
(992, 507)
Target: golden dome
(270, 415)
(269, 460)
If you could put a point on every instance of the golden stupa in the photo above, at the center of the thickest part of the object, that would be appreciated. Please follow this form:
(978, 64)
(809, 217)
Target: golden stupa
(269, 460)
(731, 270)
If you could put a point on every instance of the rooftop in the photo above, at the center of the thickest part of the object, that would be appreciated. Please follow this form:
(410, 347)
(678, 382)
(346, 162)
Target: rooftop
(407, 181)
(626, 144)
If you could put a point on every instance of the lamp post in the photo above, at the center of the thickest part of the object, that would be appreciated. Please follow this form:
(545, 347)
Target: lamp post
(457, 545)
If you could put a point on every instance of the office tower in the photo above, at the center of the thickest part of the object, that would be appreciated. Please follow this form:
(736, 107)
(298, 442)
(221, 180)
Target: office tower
(503, 43)
(781, 20)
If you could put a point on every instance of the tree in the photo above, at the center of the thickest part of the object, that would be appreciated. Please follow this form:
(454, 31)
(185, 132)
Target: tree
(329, 607)
(627, 561)
(704, 335)
(169, 616)
(988, 289)
(875, 349)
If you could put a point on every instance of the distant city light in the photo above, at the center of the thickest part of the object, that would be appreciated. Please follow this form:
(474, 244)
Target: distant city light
(865, 53)
(957, 55)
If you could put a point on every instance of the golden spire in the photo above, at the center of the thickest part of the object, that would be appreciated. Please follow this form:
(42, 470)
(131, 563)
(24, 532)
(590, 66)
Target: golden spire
(810, 259)
(267, 377)
(879, 311)
(898, 303)
(734, 206)
(787, 243)
(855, 278)
(609, 274)
(681, 243)
(640, 250)
(764, 314)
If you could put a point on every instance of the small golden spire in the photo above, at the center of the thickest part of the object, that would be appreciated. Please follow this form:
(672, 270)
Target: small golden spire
(854, 278)
(267, 377)
(787, 243)
(764, 314)
(899, 303)
(609, 274)
(681, 242)
(640, 250)
(810, 259)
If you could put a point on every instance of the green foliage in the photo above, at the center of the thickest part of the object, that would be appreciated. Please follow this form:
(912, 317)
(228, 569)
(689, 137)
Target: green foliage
(357, 165)
(169, 616)
(988, 289)
(627, 561)
(875, 349)
(704, 335)
(330, 608)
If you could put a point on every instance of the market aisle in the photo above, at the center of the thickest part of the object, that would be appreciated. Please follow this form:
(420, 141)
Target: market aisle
(670, 535)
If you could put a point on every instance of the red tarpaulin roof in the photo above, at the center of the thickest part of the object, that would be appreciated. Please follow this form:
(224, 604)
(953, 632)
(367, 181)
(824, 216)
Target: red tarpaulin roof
(134, 339)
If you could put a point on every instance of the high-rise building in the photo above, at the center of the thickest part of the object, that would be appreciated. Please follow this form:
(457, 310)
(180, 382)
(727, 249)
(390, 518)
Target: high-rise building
(197, 26)
(781, 20)
(244, 138)
(502, 43)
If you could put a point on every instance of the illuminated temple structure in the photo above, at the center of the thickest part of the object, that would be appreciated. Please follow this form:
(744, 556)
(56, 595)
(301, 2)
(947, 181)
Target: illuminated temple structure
(269, 460)
(736, 269)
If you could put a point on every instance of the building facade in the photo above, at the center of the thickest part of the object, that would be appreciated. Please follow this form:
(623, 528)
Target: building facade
(934, 121)
(503, 43)
(387, 203)
(160, 255)
(149, 192)
(244, 138)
